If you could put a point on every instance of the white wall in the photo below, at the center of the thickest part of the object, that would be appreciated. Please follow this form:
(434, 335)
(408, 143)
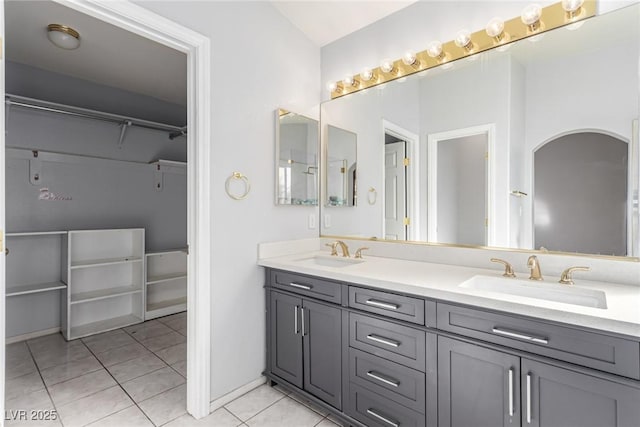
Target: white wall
(259, 62)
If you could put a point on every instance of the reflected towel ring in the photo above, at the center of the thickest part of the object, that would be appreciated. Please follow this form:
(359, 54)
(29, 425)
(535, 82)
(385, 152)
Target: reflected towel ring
(372, 196)
(247, 186)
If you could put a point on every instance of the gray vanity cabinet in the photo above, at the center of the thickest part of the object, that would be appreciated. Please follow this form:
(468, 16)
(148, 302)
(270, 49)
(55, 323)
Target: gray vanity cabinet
(552, 396)
(477, 387)
(306, 345)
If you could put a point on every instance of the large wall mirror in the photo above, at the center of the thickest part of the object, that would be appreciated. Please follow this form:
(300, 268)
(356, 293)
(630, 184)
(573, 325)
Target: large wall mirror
(533, 146)
(296, 159)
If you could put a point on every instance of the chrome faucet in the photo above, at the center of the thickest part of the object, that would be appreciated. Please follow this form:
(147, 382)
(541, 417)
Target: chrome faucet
(534, 265)
(344, 248)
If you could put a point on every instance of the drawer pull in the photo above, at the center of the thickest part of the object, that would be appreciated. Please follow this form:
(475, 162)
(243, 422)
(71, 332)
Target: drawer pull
(298, 285)
(381, 304)
(520, 336)
(377, 376)
(381, 418)
(528, 398)
(511, 392)
(384, 341)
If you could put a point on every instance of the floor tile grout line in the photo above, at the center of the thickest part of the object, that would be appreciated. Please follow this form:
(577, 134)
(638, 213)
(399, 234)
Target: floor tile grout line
(259, 412)
(121, 388)
(55, 407)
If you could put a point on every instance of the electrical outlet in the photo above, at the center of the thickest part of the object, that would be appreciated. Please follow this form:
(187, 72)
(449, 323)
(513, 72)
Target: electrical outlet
(327, 221)
(312, 221)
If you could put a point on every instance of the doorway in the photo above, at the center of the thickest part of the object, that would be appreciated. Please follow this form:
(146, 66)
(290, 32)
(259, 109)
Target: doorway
(459, 195)
(142, 22)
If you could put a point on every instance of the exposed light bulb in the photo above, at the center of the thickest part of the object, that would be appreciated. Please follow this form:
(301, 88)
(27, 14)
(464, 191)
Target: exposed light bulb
(387, 66)
(409, 58)
(463, 39)
(495, 29)
(434, 50)
(572, 7)
(366, 74)
(333, 87)
(348, 80)
(531, 16)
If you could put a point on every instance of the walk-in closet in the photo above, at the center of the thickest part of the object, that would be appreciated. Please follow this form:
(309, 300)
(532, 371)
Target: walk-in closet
(96, 220)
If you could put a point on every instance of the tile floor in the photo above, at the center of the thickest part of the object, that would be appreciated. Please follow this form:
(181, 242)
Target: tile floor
(130, 377)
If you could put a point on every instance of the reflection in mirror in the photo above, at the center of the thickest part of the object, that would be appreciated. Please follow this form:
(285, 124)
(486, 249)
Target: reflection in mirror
(341, 167)
(530, 147)
(296, 159)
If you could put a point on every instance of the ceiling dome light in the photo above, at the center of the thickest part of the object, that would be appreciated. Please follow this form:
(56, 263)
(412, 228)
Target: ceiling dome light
(572, 7)
(62, 36)
(495, 29)
(531, 16)
(463, 40)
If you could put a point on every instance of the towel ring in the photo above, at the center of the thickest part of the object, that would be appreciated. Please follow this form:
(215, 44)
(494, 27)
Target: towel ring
(372, 196)
(247, 186)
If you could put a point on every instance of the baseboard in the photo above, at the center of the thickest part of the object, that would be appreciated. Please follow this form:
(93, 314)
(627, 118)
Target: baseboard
(221, 401)
(31, 335)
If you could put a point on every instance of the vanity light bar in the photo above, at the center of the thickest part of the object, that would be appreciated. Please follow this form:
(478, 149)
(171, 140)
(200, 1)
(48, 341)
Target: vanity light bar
(551, 17)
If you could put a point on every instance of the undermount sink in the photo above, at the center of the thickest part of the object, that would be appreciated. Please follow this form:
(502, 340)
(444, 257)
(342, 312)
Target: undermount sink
(539, 290)
(330, 261)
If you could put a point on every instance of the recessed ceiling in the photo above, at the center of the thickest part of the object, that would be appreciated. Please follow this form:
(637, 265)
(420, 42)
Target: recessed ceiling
(326, 21)
(107, 54)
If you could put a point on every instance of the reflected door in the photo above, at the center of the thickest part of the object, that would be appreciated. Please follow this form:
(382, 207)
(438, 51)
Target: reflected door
(395, 191)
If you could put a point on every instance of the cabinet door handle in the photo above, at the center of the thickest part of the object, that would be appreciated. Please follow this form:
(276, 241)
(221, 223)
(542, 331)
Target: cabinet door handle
(511, 392)
(299, 286)
(381, 418)
(519, 335)
(295, 320)
(379, 377)
(385, 341)
(528, 398)
(302, 318)
(382, 304)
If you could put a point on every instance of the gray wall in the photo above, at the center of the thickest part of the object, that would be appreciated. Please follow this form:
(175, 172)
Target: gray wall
(37, 83)
(260, 62)
(104, 195)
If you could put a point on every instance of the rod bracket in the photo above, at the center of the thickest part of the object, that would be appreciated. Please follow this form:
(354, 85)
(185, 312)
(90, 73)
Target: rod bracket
(123, 130)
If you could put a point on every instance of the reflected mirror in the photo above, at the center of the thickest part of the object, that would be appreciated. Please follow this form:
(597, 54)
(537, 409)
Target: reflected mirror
(296, 159)
(530, 146)
(340, 171)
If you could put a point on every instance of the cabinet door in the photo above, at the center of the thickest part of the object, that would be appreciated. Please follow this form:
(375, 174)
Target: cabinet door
(553, 397)
(477, 387)
(323, 352)
(286, 338)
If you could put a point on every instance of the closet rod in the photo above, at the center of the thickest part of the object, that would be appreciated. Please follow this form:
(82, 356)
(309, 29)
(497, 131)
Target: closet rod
(53, 107)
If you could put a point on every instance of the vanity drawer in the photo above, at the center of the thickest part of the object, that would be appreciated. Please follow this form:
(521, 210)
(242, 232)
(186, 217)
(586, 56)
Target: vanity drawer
(387, 304)
(374, 410)
(594, 350)
(389, 379)
(326, 290)
(388, 340)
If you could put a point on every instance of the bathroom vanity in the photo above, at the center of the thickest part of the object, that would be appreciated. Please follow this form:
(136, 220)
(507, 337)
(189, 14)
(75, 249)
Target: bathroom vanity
(386, 342)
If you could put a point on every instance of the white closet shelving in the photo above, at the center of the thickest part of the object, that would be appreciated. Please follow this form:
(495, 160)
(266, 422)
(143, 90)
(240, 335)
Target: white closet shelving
(166, 283)
(105, 277)
(36, 262)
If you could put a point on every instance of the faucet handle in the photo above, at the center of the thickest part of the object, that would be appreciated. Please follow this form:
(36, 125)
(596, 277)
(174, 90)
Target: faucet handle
(334, 248)
(508, 268)
(359, 252)
(566, 278)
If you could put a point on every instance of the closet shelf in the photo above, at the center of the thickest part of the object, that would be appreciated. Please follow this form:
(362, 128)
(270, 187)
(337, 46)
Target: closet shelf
(168, 303)
(103, 326)
(16, 290)
(36, 233)
(99, 294)
(165, 278)
(103, 262)
(167, 251)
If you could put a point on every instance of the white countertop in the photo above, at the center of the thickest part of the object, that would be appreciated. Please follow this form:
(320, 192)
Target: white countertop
(440, 281)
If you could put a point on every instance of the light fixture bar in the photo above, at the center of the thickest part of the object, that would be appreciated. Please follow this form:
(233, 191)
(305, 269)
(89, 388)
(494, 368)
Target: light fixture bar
(553, 16)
